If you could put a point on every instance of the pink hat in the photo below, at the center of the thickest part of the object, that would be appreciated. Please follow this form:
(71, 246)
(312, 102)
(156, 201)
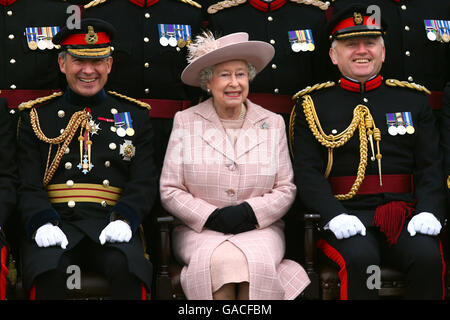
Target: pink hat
(206, 51)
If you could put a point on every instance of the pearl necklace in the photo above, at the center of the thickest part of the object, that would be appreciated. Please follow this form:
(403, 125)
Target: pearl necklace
(242, 114)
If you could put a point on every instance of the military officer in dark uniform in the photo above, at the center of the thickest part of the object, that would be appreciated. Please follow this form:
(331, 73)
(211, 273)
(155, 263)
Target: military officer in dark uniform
(27, 54)
(87, 174)
(149, 55)
(367, 159)
(8, 186)
(417, 42)
(294, 28)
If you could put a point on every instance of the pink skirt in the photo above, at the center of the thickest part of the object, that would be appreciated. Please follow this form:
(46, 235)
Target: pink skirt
(228, 265)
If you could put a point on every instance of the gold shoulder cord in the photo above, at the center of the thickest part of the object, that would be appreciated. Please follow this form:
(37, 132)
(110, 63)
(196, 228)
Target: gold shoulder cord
(405, 84)
(192, 3)
(138, 102)
(78, 120)
(93, 3)
(362, 120)
(296, 96)
(317, 3)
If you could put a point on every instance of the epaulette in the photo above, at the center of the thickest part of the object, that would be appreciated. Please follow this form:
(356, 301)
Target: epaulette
(317, 3)
(233, 3)
(31, 103)
(192, 3)
(94, 3)
(310, 89)
(406, 84)
(138, 102)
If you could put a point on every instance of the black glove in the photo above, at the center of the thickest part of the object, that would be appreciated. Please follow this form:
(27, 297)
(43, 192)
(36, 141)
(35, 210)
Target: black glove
(232, 219)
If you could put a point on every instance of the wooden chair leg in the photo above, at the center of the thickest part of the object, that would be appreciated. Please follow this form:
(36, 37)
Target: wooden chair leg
(313, 290)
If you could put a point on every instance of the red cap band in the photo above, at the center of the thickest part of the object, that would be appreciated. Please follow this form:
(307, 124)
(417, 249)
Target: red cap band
(349, 22)
(80, 39)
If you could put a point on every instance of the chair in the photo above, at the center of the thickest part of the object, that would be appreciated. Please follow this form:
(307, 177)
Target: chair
(168, 285)
(325, 282)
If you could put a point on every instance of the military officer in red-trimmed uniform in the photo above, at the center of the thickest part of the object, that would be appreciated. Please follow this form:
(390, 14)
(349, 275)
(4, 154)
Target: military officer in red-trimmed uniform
(418, 42)
(367, 159)
(87, 176)
(294, 29)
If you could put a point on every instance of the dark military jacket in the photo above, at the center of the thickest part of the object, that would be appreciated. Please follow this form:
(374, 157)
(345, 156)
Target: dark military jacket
(20, 66)
(445, 136)
(288, 70)
(134, 175)
(8, 167)
(410, 56)
(414, 154)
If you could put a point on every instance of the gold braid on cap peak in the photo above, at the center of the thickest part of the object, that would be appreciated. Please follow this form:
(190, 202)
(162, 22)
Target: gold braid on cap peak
(406, 84)
(138, 102)
(362, 120)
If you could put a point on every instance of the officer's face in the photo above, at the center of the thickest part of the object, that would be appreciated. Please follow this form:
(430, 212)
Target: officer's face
(85, 76)
(229, 84)
(359, 58)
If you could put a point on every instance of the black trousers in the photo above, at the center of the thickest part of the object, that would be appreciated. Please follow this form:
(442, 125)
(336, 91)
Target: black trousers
(88, 255)
(419, 257)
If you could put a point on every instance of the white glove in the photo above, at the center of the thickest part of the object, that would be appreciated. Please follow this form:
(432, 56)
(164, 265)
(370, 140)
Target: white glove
(346, 226)
(116, 231)
(425, 223)
(49, 235)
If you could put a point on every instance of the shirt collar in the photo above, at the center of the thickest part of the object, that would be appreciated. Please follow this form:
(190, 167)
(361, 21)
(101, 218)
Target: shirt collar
(267, 6)
(355, 86)
(7, 2)
(144, 3)
(78, 100)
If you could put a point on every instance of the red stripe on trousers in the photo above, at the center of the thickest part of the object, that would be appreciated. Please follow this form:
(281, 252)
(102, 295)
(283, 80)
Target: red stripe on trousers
(335, 256)
(3, 273)
(33, 292)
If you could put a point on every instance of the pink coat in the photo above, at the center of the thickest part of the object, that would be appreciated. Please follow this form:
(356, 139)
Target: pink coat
(202, 172)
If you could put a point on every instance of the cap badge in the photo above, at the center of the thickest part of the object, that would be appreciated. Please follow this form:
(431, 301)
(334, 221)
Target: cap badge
(357, 18)
(91, 37)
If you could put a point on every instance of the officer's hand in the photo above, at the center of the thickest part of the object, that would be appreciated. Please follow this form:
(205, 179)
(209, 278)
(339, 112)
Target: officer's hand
(116, 231)
(425, 223)
(346, 226)
(49, 235)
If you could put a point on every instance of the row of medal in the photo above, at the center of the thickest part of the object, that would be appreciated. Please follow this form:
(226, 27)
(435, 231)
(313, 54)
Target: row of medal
(301, 40)
(399, 123)
(438, 30)
(41, 37)
(174, 35)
